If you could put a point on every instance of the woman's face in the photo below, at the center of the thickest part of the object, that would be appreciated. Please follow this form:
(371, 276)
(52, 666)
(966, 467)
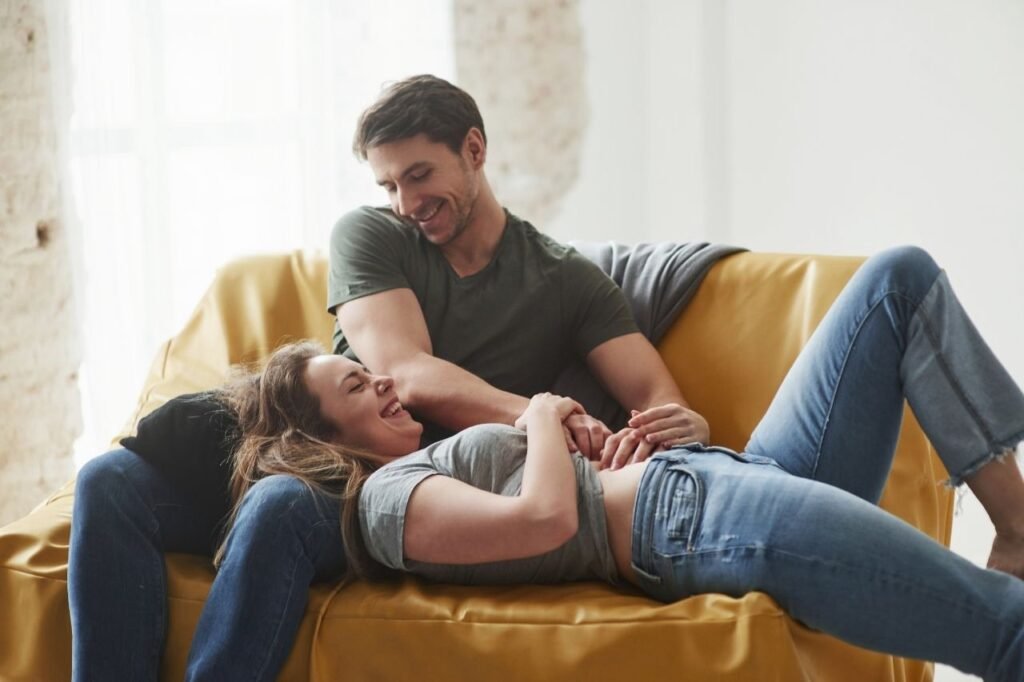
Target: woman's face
(363, 407)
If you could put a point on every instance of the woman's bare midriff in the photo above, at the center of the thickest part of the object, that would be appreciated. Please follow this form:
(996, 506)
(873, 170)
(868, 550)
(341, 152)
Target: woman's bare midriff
(620, 488)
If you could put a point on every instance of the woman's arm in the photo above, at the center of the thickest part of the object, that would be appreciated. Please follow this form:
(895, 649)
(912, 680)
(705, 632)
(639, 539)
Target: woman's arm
(448, 521)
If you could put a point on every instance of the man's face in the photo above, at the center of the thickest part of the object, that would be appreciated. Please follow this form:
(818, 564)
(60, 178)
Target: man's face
(429, 186)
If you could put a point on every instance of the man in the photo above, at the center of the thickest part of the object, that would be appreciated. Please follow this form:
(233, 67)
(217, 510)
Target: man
(471, 309)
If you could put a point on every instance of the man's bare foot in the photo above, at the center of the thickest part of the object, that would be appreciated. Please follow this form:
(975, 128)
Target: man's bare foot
(1008, 554)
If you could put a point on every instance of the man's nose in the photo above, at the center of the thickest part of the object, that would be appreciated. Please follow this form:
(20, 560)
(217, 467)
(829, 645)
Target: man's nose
(404, 202)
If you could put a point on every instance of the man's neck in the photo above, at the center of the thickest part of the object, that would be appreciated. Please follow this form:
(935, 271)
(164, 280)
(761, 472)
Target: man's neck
(471, 251)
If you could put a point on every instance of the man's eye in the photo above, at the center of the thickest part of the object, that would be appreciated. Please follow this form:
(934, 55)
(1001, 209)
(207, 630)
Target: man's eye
(421, 176)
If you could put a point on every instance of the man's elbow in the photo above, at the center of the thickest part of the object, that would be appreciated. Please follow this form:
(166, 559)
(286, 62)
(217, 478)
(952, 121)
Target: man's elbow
(408, 382)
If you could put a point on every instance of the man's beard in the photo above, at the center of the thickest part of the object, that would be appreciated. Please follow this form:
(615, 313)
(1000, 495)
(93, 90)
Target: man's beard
(460, 216)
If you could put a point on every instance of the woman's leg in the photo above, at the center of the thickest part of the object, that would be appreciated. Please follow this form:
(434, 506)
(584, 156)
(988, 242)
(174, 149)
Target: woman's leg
(284, 538)
(126, 515)
(833, 561)
(897, 330)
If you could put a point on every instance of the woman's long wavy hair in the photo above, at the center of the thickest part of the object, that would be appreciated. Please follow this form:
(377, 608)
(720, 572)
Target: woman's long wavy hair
(281, 431)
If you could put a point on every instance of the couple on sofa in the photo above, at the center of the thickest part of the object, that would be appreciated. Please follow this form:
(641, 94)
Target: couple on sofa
(312, 469)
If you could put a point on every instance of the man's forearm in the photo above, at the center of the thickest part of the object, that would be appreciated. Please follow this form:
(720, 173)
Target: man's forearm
(451, 397)
(664, 396)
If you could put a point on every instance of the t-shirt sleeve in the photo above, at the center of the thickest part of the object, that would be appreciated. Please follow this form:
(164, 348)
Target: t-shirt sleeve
(366, 256)
(486, 456)
(596, 307)
(382, 505)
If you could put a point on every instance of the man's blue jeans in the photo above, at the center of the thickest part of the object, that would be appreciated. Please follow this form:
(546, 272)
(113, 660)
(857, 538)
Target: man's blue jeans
(127, 515)
(795, 515)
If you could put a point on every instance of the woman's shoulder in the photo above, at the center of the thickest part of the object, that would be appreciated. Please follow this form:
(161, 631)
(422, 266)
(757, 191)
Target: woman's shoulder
(488, 433)
(481, 452)
(486, 455)
(482, 437)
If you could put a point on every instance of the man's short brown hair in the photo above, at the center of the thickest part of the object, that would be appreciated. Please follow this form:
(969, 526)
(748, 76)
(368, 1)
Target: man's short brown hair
(419, 104)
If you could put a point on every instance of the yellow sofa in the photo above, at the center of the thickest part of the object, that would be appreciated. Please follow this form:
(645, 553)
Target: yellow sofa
(728, 350)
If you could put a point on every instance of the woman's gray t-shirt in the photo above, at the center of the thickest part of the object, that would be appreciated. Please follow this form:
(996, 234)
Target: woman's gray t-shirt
(489, 457)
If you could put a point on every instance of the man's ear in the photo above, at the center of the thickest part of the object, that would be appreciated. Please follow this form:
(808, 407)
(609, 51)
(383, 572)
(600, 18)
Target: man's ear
(474, 148)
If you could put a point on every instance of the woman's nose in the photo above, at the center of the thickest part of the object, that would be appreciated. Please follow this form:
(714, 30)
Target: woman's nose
(383, 384)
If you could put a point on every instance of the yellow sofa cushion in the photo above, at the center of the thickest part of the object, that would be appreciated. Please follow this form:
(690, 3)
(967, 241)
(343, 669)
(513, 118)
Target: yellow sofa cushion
(729, 351)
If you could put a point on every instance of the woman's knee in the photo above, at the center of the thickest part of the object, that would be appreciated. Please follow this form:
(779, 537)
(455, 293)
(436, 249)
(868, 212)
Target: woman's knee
(906, 269)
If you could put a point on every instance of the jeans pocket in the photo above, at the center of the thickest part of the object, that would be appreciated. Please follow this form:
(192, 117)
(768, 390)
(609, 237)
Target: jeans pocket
(682, 506)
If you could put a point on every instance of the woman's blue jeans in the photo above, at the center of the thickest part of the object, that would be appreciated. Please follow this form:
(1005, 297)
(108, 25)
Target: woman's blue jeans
(127, 515)
(795, 515)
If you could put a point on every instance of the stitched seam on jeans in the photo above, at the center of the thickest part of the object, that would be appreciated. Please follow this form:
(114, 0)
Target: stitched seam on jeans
(157, 566)
(161, 588)
(291, 590)
(315, 527)
(842, 371)
(648, 481)
(698, 508)
(929, 331)
(896, 577)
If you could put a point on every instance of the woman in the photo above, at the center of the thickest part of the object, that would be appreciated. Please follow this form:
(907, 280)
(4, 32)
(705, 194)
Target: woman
(315, 429)
(165, 492)
(794, 516)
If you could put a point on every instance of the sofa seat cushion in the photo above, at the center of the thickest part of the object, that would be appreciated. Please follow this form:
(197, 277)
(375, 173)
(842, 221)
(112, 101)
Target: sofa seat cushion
(413, 630)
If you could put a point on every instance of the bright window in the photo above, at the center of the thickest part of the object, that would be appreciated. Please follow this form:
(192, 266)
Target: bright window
(203, 130)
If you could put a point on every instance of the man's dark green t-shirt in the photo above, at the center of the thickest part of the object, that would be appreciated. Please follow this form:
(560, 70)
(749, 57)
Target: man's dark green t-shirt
(516, 324)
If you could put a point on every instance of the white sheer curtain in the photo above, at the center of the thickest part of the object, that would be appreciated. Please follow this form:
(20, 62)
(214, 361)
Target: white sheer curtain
(207, 129)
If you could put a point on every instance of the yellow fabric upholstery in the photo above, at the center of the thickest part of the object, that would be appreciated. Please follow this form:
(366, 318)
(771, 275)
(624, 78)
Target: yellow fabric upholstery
(729, 350)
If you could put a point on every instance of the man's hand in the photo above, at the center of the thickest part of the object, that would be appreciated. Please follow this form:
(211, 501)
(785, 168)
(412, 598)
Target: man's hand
(586, 434)
(627, 446)
(671, 424)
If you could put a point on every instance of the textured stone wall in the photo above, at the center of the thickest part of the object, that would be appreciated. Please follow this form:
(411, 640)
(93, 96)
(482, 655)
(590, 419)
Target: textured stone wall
(39, 408)
(523, 61)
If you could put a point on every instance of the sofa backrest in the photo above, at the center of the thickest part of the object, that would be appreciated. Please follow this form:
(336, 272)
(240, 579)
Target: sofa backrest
(728, 351)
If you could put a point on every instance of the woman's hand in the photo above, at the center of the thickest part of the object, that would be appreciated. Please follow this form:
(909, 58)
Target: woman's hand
(583, 433)
(627, 446)
(671, 424)
(544, 404)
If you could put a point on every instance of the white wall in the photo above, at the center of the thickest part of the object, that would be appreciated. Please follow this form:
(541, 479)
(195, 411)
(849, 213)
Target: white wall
(652, 157)
(832, 127)
(39, 341)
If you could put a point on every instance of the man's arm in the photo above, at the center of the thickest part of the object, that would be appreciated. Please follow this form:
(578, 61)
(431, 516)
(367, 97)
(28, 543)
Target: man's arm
(633, 372)
(389, 335)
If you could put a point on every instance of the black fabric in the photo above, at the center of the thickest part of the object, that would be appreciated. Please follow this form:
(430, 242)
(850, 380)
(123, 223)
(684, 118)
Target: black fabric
(191, 439)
